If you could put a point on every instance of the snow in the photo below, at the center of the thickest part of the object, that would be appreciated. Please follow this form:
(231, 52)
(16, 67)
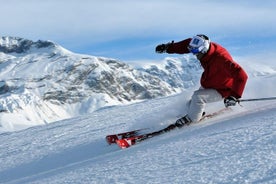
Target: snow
(237, 146)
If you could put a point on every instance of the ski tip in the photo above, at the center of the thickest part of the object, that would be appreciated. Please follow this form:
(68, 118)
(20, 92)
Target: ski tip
(110, 139)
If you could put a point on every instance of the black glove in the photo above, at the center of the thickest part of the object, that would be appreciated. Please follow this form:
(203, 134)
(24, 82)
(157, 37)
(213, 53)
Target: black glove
(162, 48)
(230, 101)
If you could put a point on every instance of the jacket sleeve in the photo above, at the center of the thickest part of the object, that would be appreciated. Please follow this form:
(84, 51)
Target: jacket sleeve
(239, 80)
(179, 47)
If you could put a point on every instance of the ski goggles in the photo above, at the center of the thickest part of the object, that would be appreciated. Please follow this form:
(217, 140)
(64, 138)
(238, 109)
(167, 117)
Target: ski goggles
(194, 50)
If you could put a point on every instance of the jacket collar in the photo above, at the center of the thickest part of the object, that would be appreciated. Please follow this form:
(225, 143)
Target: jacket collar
(209, 54)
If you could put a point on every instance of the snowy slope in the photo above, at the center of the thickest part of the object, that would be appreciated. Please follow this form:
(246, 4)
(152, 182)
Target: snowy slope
(235, 147)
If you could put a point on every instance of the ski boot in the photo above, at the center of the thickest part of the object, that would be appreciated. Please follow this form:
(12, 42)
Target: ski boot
(183, 121)
(179, 123)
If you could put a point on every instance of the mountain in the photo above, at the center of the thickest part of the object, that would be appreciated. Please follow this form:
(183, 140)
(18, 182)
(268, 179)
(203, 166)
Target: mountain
(42, 82)
(20, 45)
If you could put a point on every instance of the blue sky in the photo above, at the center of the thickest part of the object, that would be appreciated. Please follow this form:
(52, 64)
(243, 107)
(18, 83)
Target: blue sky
(129, 30)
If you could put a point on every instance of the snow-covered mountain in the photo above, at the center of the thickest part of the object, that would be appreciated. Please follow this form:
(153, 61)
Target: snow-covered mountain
(42, 82)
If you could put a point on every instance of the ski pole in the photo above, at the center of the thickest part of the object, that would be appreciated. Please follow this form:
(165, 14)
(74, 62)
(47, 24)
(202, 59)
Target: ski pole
(257, 99)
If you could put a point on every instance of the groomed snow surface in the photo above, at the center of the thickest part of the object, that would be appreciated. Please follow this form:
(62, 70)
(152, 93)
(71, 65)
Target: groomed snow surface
(237, 146)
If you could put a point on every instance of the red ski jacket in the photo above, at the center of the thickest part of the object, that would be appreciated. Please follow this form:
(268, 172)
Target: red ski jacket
(221, 72)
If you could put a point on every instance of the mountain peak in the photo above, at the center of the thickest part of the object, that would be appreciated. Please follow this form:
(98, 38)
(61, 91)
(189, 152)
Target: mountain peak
(9, 44)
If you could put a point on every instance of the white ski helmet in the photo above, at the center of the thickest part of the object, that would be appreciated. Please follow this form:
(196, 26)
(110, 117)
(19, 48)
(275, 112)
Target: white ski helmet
(199, 44)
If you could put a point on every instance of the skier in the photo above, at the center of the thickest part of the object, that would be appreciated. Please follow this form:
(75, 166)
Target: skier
(222, 77)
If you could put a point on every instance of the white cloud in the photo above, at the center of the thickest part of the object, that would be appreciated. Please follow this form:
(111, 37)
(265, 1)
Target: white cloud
(92, 21)
(117, 18)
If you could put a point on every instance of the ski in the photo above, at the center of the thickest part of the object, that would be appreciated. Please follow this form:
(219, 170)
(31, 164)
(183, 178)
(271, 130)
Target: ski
(127, 142)
(111, 139)
(130, 140)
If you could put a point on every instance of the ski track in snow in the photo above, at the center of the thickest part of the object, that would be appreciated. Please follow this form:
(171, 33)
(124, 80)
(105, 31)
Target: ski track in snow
(235, 147)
